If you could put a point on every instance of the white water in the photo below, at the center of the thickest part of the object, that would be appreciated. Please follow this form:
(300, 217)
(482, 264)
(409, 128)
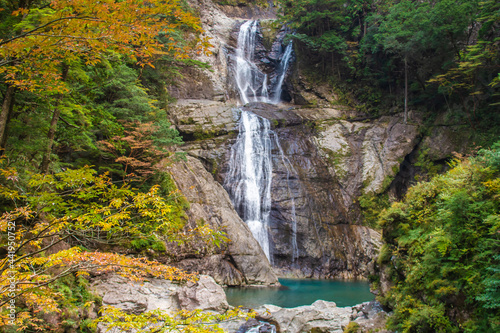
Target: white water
(282, 73)
(250, 166)
(253, 84)
(250, 175)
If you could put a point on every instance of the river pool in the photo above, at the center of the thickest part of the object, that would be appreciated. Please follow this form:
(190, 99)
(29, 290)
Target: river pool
(296, 292)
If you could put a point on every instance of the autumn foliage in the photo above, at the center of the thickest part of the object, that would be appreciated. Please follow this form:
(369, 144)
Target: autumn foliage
(56, 219)
(69, 30)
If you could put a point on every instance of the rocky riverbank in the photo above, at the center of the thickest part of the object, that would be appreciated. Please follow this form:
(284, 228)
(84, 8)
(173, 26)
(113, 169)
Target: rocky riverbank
(207, 295)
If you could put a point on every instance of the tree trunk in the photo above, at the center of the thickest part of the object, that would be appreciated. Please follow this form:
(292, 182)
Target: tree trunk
(44, 167)
(6, 108)
(406, 91)
(3, 142)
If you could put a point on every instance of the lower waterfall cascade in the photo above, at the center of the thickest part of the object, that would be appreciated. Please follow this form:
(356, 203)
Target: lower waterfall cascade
(250, 175)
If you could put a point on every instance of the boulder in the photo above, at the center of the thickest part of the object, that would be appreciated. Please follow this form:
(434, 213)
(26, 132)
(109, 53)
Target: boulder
(202, 118)
(370, 316)
(136, 297)
(321, 316)
(203, 294)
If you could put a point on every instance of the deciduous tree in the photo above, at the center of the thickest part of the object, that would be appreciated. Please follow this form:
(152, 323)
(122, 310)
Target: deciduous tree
(82, 211)
(49, 38)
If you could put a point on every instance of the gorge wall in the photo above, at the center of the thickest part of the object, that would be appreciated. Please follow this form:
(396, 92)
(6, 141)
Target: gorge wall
(330, 155)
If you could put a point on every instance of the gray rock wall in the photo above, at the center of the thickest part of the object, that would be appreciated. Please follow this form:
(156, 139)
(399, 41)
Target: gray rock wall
(336, 154)
(243, 261)
(330, 243)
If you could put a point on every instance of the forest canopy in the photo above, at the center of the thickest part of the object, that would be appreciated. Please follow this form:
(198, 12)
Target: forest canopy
(429, 55)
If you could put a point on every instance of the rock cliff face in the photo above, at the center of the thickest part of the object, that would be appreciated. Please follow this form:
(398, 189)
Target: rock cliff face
(243, 262)
(329, 157)
(305, 188)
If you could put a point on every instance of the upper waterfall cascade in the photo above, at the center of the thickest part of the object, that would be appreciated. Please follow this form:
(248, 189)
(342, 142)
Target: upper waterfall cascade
(250, 166)
(254, 85)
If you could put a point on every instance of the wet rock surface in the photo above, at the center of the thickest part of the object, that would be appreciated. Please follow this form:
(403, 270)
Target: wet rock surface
(306, 192)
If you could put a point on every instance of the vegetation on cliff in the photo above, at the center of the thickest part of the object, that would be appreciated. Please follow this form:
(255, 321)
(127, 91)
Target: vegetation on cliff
(441, 254)
(442, 250)
(426, 55)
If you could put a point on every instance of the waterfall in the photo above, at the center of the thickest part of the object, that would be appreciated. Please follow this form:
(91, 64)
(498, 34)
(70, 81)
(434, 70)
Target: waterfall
(282, 72)
(251, 82)
(250, 173)
(250, 166)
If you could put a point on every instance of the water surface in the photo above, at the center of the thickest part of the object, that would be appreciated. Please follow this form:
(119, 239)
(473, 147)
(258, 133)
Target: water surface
(297, 292)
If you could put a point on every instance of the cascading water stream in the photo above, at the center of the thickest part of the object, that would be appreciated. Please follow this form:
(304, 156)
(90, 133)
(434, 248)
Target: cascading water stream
(251, 82)
(250, 166)
(287, 55)
(250, 173)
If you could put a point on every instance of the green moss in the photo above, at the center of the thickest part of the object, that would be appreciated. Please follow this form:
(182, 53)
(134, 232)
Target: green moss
(269, 29)
(336, 159)
(189, 121)
(372, 205)
(215, 167)
(387, 182)
(352, 327)
(204, 134)
(395, 168)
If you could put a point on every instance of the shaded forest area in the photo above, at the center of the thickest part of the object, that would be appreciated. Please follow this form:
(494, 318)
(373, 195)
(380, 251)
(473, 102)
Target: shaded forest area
(383, 56)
